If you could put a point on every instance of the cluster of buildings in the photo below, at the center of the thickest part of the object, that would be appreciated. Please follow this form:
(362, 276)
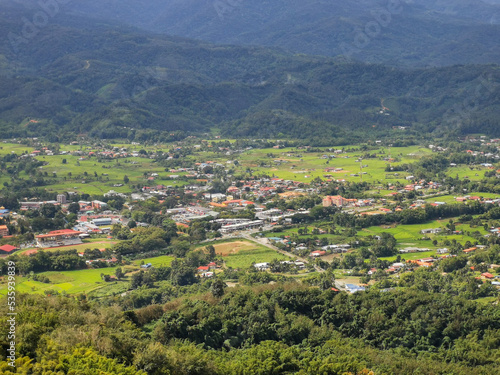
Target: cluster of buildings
(339, 201)
(275, 215)
(56, 238)
(207, 271)
(266, 265)
(62, 201)
(248, 225)
(189, 213)
(265, 188)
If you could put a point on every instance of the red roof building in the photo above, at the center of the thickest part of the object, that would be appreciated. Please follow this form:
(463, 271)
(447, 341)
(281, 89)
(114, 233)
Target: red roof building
(317, 253)
(63, 237)
(7, 249)
(469, 250)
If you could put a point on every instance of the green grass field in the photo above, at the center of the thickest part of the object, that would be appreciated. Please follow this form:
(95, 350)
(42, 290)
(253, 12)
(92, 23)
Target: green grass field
(242, 253)
(161, 261)
(91, 175)
(81, 281)
(464, 171)
(71, 282)
(450, 198)
(409, 235)
(245, 258)
(303, 166)
(411, 256)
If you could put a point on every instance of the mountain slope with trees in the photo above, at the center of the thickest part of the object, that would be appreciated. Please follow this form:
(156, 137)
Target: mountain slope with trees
(114, 81)
(400, 33)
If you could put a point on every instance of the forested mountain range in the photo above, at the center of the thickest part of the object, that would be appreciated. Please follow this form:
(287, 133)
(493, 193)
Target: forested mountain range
(415, 33)
(77, 75)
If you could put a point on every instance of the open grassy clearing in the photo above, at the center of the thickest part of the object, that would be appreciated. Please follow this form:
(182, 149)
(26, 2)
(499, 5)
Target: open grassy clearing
(465, 172)
(11, 148)
(82, 281)
(304, 237)
(71, 282)
(230, 248)
(246, 258)
(450, 198)
(242, 254)
(303, 166)
(409, 235)
(411, 256)
(161, 261)
(90, 175)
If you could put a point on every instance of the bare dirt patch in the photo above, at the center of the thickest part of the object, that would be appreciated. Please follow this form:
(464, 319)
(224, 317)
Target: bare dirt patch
(226, 249)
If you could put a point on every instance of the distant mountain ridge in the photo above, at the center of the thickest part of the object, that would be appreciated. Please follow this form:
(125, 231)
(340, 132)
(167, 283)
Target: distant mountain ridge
(114, 81)
(415, 33)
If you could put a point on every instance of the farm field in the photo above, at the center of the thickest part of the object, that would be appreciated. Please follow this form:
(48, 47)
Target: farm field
(71, 282)
(242, 254)
(409, 235)
(81, 281)
(463, 172)
(450, 198)
(303, 166)
(90, 174)
(97, 175)
(161, 261)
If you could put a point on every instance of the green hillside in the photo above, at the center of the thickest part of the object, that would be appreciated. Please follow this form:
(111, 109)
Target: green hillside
(399, 33)
(113, 81)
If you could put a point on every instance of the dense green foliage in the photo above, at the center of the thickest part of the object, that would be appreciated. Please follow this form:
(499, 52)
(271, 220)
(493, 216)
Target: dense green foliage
(138, 86)
(404, 33)
(285, 328)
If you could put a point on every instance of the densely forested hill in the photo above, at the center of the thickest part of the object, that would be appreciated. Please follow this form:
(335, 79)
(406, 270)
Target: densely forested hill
(114, 81)
(408, 33)
(268, 329)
